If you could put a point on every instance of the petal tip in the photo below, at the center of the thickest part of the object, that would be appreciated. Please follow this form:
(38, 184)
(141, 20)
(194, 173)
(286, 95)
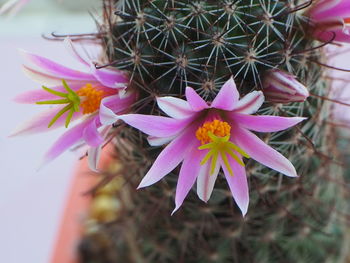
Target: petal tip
(141, 185)
(175, 210)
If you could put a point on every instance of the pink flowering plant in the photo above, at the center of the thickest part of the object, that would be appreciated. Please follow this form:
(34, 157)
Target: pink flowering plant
(74, 95)
(209, 136)
(213, 108)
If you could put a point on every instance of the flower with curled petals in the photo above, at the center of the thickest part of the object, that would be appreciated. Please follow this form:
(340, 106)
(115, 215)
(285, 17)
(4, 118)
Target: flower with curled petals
(208, 136)
(74, 95)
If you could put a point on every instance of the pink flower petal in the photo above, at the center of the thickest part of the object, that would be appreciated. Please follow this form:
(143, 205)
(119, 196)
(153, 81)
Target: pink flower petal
(188, 174)
(95, 152)
(170, 157)
(110, 78)
(206, 181)
(238, 184)
(250, 103)
(56, 70)
(119, 104)
(227, 97)
(340, 35)
(195, 101)
(261, 152)
(41, 121)
(174, 107)
(333, 9)
(66, 141)
(113, 105)
(91, 135)
(155, 125)
(264, 123)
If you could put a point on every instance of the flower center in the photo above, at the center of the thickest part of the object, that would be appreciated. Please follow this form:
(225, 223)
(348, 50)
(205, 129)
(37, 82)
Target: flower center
(91, 98)
(216, 127)
(87, 98)
(215, 137)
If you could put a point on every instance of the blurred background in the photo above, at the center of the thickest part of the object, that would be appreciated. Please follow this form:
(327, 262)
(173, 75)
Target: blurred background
(32, 199)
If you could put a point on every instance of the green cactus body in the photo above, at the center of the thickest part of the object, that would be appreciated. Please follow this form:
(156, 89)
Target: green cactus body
(167, 45)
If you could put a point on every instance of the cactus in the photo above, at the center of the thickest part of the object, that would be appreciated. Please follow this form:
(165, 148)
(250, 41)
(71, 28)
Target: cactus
(167, 45)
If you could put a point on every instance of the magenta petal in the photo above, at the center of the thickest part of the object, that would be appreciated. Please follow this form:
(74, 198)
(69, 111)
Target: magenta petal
(41, 121)
(330, 11)
(113, 105)
(170, 157)
(110, 78)
(55, 69)
(238, 184)
(195, 101)
(119, 104)
(264, 123)
(227, 96)
(155, 125)
(188, 174)
(95, 152)
(67, 140)
(91, 134)
(250, 103)
(174, 107)
(206, 181)
(261, 152)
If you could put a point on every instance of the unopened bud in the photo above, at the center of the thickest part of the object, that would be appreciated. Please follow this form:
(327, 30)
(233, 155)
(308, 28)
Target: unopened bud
(282, 87)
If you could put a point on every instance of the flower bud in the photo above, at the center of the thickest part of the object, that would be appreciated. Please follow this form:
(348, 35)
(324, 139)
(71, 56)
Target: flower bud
(282, 87)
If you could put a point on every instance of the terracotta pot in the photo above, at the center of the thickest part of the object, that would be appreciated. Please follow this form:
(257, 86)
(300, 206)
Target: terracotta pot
(76, 210)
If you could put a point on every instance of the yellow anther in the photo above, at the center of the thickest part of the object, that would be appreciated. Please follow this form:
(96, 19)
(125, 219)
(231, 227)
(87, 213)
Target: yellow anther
(216, 127)
(90, 98)
(215, 138)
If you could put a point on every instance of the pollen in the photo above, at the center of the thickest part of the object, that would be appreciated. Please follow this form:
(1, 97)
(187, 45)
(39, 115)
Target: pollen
(216, 127)
(91, 98)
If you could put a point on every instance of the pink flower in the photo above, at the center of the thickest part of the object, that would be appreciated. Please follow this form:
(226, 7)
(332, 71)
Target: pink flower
(331, 19)
(282, 87)
(74, 95)
(206, 137)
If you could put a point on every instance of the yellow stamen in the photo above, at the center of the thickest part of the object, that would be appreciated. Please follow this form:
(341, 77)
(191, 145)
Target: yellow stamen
(215, 137)
(216, 127)
(87, 98)
(91, 98)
